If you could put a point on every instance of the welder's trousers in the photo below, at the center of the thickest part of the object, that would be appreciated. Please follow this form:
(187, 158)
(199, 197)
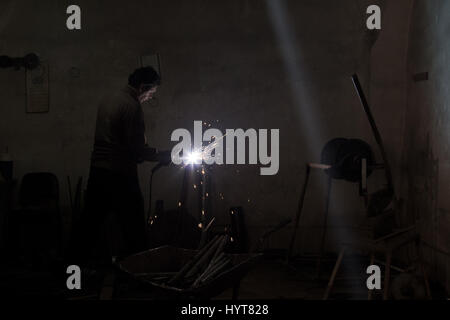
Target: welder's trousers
(111, 193)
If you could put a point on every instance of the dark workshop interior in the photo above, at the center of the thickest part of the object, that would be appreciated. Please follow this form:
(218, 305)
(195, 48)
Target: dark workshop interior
(334, 189)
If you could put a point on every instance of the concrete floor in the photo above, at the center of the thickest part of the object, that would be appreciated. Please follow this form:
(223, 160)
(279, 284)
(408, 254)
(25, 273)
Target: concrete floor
(271, 278)
(274, 279)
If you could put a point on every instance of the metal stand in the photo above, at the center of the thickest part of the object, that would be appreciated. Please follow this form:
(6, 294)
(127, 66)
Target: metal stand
(309, 166)
(325, 224)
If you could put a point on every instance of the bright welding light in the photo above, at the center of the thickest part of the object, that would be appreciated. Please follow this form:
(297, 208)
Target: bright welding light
(194, 157)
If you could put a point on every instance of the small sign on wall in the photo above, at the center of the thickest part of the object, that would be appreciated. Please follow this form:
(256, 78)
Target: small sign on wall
(38, 89)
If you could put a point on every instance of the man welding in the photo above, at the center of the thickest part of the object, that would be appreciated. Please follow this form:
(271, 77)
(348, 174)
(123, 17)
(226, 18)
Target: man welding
(113, 186)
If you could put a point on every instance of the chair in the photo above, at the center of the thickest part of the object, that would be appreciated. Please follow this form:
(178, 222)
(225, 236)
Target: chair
(386, 246)
(36, 224)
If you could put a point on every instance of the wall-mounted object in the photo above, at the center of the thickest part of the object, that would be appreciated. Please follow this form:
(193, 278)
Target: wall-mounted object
(38, 89)
(152, 60)
(6, 165)
(29, 62)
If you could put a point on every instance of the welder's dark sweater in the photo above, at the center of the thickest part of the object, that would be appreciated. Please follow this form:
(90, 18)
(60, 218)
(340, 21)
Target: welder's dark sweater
(120, 134)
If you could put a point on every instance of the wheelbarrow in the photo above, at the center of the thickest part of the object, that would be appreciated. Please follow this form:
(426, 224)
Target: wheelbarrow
(146, 266)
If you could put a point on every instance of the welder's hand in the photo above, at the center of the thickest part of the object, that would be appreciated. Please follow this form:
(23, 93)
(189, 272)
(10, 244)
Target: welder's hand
(165, 157)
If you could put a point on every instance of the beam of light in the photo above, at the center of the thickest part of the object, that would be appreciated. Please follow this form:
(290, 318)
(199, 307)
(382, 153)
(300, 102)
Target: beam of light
(305, 106)
(306, 109)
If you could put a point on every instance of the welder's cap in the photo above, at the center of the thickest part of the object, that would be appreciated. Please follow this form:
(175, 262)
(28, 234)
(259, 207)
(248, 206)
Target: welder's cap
(146, 76)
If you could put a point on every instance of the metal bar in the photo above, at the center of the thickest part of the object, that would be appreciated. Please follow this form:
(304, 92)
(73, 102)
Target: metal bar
(376, 133)
(394, 234)
(299, 212)
(392, 266)
(325, 224)
(333, 274)
(180, 274)
(319, 166)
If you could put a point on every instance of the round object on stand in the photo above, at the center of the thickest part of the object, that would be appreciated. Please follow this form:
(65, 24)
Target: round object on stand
(345, 156)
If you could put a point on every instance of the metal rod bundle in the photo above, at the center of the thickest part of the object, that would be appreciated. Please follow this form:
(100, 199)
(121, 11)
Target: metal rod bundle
(205, 265)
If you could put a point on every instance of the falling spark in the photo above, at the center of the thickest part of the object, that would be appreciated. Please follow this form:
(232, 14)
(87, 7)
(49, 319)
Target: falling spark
(179, 203)
(207, 194)
(195, 186)
(231, 239)
(232, 211)
(203, 212)
(200, 225)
